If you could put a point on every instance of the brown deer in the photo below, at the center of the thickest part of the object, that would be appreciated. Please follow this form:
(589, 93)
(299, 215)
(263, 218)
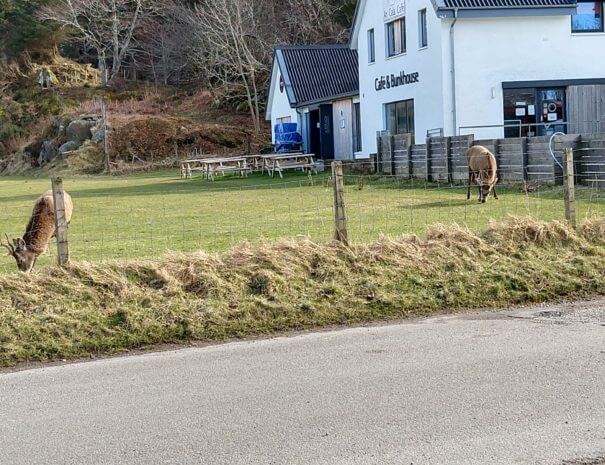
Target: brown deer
(40, 229)
(482, 169)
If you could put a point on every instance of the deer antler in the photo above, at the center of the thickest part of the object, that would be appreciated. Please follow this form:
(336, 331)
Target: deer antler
(8, 245)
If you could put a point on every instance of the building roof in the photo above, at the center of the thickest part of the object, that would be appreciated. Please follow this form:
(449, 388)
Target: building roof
(318, 73)
(481, 9)
(490, 8)
(505, 3)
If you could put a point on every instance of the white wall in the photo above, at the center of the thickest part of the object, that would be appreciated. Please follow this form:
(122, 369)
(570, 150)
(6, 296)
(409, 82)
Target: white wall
(427, 93)
(495, 50)
(279, 103)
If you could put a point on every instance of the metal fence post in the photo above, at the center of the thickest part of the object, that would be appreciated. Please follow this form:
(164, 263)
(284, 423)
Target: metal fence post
(340, 215)
(569, 188)
(60, 221)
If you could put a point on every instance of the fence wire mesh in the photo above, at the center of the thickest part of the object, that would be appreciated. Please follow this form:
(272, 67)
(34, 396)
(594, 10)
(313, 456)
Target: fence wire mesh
(147, 216)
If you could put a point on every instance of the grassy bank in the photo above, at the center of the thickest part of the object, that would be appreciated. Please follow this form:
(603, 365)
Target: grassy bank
(262, 289)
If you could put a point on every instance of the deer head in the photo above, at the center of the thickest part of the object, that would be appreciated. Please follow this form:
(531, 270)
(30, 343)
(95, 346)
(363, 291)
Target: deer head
(26, 259)
(486, 184)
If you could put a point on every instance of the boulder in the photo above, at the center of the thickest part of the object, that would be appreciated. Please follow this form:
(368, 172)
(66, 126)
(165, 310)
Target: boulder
(98, 134)
(79, 130)
(68, 147)
(48, 152)
(31, 153)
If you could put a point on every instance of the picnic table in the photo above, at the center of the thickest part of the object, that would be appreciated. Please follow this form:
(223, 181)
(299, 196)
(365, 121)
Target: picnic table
(288, 161)
(210, 166)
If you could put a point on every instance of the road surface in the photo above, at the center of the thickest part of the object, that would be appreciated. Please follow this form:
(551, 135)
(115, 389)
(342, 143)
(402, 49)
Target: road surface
(514, 387)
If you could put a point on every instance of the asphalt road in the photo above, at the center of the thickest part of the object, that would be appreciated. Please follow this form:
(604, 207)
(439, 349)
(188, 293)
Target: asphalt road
(509, 388)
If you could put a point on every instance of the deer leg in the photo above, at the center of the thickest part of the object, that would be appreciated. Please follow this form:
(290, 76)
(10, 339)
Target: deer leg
(470, 182)
(495, 194)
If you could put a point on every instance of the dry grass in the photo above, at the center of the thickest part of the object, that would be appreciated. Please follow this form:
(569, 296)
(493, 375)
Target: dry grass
(291, 285)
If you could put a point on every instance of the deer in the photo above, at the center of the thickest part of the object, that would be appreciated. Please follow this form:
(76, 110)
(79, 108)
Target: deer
(38, 233)
(483, 170)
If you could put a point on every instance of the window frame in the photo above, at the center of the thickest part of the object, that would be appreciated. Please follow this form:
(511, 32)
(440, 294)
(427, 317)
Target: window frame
(398, 37)
(423, 29)
(371, 46)
(590, 31)
(410, 116)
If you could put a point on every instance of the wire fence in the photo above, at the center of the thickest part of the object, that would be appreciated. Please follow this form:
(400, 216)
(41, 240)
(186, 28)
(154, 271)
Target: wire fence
(148, 216)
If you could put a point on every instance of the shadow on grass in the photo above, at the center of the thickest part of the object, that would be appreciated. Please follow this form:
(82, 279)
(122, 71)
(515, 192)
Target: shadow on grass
(172, 186)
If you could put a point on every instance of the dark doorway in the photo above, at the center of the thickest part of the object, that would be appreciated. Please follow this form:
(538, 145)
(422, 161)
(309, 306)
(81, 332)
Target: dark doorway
(314, 133)
(327, 132)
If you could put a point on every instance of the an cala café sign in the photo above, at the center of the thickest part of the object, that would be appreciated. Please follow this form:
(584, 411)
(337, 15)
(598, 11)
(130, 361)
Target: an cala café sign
(396, 80)
(393, 9)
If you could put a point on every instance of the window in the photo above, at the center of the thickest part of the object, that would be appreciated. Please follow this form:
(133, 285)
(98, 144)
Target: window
(396, 40)
(400, 117)
(357, 127)
(589, 17)
(371, 46)
(423, 39)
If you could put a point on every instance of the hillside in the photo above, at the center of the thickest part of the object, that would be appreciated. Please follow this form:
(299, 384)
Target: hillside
(149, 126)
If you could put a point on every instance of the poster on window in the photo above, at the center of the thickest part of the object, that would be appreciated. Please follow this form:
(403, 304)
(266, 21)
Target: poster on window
(393, 9)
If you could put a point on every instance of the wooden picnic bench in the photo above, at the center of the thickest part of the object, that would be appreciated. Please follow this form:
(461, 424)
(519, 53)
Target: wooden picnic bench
(210, 166)
(288, 161)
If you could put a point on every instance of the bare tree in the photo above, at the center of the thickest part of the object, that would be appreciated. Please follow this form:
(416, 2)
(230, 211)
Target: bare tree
(106, 25)
(164, 44)
(232, 45)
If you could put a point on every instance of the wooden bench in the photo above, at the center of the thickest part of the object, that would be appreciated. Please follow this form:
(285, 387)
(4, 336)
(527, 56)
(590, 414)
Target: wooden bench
(288, 161)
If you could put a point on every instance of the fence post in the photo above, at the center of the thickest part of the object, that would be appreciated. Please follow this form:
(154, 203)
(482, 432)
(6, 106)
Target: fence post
(569, 188)
(60, 221)
(429, 175)
(105, 136)
(340, 214)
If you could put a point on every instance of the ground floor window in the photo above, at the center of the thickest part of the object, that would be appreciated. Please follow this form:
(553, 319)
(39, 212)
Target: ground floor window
(533, 112)
(400, 117)
(357, 145)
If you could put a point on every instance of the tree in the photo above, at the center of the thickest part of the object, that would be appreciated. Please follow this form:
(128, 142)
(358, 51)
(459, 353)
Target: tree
(232, 46)
(19, 28)
(108, 26)
(164, 44)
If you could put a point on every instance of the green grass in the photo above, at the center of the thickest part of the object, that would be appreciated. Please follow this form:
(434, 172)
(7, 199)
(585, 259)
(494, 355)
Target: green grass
(146, 216)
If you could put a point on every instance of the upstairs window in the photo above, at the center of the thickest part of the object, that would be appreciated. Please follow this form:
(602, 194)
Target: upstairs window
(423, 39)
(589, 17)
(371, 46)
(396, 40)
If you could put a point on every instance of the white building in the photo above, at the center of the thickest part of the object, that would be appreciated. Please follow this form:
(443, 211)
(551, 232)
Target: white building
(318, 88)
(492, 68)
(448, 67)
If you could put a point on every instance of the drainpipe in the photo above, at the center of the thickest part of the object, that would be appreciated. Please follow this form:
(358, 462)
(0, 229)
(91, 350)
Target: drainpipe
(453, 71)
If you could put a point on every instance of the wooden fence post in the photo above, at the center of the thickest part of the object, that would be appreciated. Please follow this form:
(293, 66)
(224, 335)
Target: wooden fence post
(569, 188)
(60, 221)
(105, 135)
(340, 214)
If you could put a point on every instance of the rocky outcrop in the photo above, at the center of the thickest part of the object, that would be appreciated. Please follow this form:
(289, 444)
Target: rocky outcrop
(80, 130)
(67, 147)
(48, 153)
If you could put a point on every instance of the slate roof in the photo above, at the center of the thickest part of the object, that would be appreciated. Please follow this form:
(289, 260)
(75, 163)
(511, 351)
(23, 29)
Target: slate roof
(313, 74)
(489, 4)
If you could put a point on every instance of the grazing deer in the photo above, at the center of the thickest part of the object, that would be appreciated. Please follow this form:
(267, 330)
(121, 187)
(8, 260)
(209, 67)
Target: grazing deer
(482, 169)
(40, 229)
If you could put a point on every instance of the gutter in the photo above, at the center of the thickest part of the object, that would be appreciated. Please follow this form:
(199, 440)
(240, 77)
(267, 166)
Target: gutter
(453, 71)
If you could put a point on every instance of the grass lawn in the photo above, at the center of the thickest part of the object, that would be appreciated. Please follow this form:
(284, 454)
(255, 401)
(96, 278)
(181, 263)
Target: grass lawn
(147, 215)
